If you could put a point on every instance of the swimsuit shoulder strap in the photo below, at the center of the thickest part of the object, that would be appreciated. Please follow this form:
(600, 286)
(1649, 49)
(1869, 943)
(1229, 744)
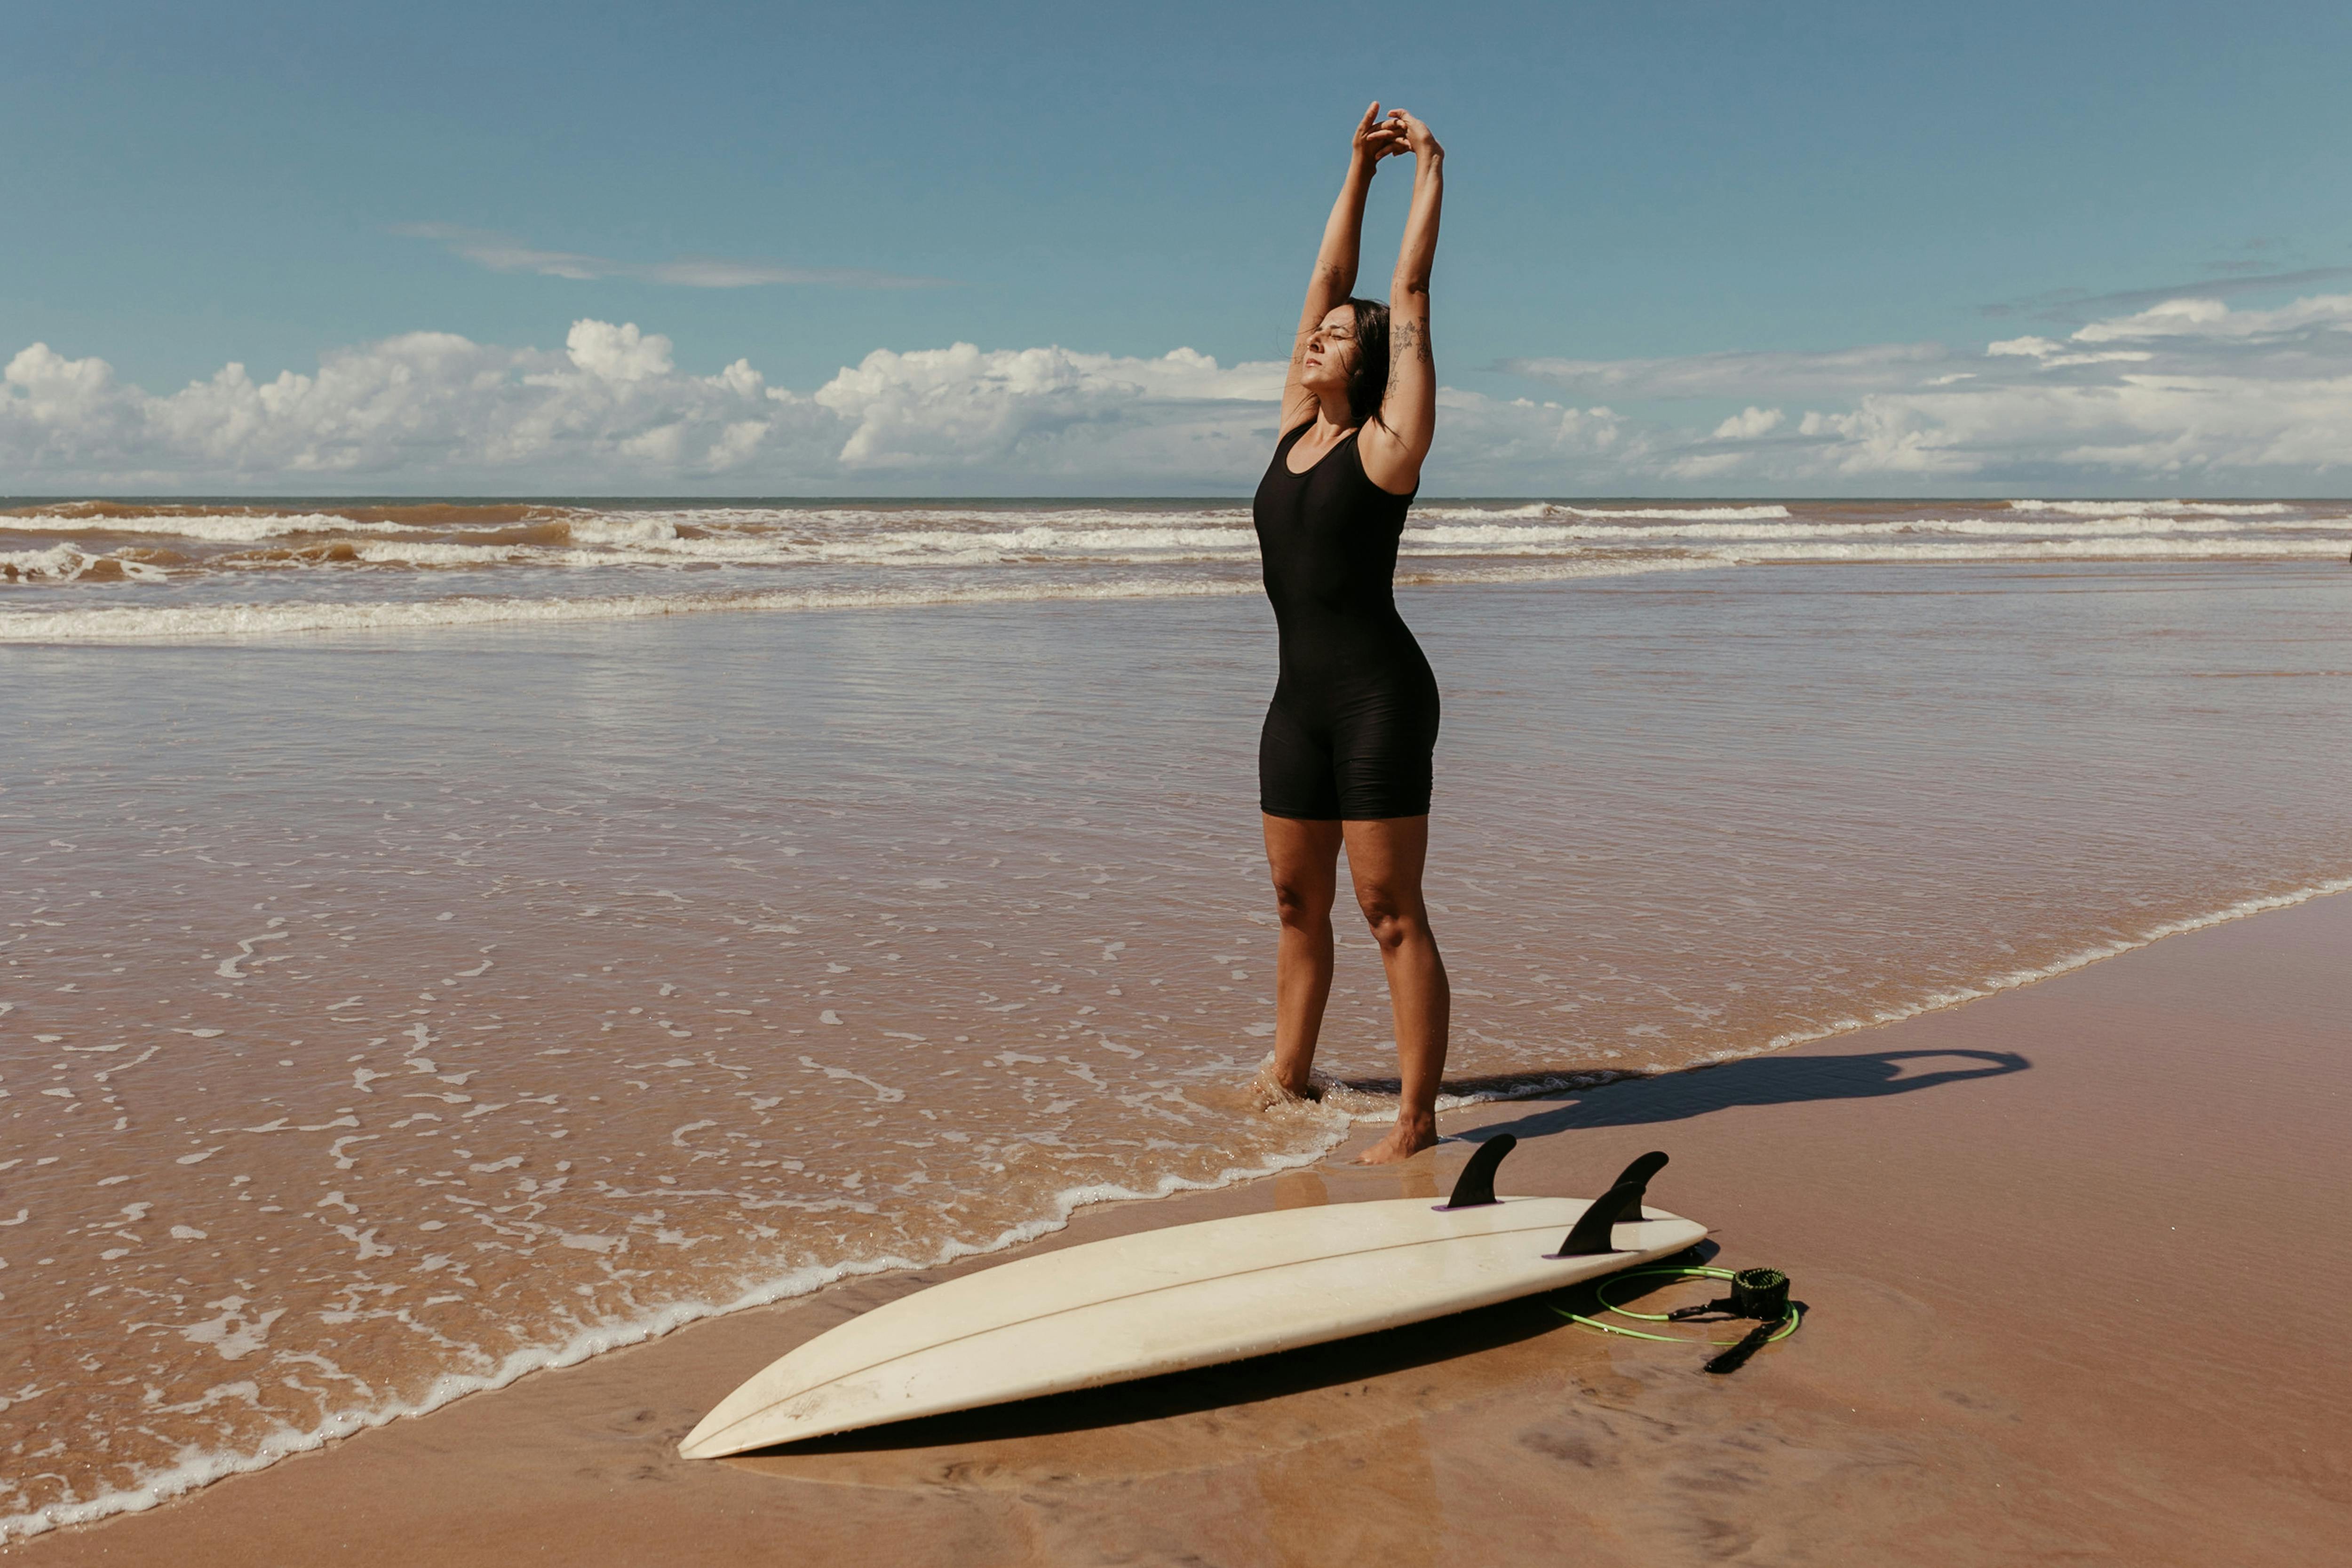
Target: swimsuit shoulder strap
(1356, 460)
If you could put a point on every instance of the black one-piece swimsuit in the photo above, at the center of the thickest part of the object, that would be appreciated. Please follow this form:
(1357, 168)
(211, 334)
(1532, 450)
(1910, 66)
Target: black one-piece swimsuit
(1353, 723)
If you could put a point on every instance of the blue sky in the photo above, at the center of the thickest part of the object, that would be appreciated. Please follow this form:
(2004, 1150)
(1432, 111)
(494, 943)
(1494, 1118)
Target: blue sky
(266, 184)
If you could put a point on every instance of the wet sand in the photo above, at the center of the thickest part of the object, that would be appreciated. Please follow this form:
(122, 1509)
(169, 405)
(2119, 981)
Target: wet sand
(2075, 1256)
(388, 1017)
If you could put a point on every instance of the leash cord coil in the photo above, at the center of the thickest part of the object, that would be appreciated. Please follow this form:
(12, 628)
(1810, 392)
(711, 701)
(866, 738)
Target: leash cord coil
(1788, 1324)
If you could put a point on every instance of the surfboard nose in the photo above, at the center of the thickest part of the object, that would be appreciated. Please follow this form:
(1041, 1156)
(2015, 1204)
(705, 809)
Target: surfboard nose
(719, 1434)
(702, 1442)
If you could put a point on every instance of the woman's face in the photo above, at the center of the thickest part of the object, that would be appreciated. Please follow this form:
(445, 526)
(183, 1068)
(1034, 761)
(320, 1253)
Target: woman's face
(1331, 352)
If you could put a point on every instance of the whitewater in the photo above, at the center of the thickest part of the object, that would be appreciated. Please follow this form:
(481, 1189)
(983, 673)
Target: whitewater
(95, 570)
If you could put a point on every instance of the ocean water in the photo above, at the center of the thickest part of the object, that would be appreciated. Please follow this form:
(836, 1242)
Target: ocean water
(109, 570)
(419, 969)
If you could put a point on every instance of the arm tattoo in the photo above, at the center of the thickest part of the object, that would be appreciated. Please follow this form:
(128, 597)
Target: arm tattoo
(1412, 337)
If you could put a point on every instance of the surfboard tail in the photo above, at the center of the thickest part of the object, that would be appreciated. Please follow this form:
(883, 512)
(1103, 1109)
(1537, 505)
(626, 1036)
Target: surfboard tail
(1621, 1204)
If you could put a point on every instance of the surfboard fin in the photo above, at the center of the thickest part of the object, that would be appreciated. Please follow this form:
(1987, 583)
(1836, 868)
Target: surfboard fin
(1475, 1184)
(1641, 1170)
(1621, 1204)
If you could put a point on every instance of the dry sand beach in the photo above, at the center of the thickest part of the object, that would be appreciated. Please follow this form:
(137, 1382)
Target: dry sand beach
(2075, 1256)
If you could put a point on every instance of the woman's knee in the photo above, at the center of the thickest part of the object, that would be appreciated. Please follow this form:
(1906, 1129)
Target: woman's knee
(1394, 919)
(1303, 904)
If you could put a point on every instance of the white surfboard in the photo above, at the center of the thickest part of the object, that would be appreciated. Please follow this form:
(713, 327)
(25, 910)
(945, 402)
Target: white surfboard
(1189, 1296)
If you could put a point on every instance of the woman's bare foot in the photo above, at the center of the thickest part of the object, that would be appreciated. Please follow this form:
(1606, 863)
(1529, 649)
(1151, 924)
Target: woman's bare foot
(1407, 1139)
(1268, 1091)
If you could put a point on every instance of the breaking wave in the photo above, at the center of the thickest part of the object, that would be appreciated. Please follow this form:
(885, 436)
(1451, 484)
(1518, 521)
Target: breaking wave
(98, 571)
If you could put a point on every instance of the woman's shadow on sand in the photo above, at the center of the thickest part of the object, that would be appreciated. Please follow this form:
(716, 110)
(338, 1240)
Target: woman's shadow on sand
(1627, 1101)
(1633, 1101)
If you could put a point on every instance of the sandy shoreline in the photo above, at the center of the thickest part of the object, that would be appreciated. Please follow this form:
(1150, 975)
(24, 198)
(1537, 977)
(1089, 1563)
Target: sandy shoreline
(2071, 1250)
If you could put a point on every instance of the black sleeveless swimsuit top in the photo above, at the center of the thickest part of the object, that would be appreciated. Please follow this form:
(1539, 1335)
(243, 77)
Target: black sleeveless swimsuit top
(1355, 689)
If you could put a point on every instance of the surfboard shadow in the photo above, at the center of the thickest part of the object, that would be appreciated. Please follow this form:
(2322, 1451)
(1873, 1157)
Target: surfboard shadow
(1751, 1081)
(1238, 1383)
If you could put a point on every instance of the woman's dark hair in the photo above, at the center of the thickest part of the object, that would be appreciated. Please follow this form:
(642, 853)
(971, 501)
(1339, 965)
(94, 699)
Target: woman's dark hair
(1371, 382)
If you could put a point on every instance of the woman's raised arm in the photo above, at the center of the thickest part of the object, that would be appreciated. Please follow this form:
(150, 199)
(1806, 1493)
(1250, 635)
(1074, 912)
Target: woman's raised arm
(1335, 264)
(1395, 442)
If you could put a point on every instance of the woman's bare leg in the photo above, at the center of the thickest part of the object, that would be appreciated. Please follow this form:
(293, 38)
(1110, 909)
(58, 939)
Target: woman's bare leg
(1304, 857)
(1385, 857)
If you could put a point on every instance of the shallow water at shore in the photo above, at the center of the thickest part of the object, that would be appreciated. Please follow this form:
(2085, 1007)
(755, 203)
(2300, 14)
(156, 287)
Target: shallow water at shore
(389, 1014)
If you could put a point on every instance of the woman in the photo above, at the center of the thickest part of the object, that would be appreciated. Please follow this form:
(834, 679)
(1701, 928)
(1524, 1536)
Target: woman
(1345, 754)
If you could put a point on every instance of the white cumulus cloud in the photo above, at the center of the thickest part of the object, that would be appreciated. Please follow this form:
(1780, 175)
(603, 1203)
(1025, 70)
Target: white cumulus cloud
(613, 409)
(2173, 395)
(1749, 423)
(2180, 391)
(1049, 410)
(617, 353)
(428, 408)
